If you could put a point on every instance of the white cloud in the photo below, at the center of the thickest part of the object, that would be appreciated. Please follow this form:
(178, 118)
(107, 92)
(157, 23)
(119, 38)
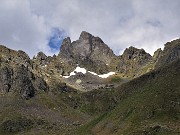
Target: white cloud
(26, 24)
(20, 29)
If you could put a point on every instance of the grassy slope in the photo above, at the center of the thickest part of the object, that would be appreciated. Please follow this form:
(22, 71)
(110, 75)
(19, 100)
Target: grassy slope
(149, 105)
(44, 114)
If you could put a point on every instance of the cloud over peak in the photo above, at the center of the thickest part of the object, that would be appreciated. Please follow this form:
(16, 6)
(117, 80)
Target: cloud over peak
(29, 24)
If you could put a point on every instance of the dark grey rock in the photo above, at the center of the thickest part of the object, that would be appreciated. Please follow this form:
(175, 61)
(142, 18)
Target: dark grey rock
(88, 51)
(22, 83)
(41, 58)
(40, 84)
(65, 49)
(170, 53)
(5, 79)
(132, 60)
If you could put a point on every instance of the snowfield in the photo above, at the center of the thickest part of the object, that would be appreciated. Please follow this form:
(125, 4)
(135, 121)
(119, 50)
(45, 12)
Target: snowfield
(92, 73)
(84, 71)
(77, 70)
(106, 75)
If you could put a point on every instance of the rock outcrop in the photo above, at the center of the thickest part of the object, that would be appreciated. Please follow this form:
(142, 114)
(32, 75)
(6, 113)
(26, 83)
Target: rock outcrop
(17, 74)
(22, 82)
(5, 79)
(170, 53)
(157, 55)
(16, 80)
(88, 51)
(132, 60)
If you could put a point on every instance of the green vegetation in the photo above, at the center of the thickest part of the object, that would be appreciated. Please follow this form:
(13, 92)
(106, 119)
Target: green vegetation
(86, 129)
(16, 125)
(116, 79)
(147, 105)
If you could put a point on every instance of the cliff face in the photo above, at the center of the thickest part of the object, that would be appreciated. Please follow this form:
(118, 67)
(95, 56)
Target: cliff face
(16, 74)
(132, 61)
(170, 53)
(88, 51)
(86, 47)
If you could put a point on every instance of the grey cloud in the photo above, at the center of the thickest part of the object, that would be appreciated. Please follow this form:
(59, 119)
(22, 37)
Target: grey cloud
(120, 23)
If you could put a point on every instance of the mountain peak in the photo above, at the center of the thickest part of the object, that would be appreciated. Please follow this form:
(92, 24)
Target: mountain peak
(132, 51)
(41, 56)
(170, 53)
(85, 35)
(65, 49)
(172, 44)
(88, 51)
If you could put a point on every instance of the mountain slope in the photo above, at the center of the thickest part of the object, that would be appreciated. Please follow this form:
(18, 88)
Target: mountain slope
(148, 105)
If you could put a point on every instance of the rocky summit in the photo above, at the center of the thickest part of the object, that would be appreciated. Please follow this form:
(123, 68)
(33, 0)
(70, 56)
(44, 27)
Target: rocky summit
(87, 89)
(88, 51)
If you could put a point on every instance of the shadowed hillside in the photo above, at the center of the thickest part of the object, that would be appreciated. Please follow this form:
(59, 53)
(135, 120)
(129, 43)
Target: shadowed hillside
(148, 105)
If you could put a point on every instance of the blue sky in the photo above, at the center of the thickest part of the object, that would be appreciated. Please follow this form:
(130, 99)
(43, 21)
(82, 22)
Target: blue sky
(56, 38)
(38, 25)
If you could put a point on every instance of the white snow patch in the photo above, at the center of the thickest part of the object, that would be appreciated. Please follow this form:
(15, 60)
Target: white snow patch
(66, 76)
(84, 71)
(77, 70)
(106, 75)
(72, 73)
(92, 73)
(80, 70)
(103, 75)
